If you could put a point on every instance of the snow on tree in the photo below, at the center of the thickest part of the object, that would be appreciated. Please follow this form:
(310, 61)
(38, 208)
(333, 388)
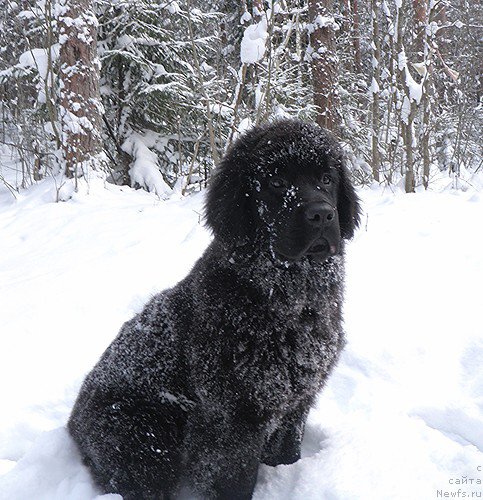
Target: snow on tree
(253, 43)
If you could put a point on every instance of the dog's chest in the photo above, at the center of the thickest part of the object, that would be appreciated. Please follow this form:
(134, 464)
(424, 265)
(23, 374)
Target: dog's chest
(288, 361)
(270, 339)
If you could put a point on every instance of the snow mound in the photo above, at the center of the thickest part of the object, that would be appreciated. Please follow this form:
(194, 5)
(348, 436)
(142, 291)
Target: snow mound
(144, 170)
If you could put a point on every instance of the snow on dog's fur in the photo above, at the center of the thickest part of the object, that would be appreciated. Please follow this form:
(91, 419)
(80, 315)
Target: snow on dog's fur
(217, 374)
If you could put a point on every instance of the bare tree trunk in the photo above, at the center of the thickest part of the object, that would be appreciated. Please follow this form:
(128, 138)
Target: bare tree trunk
(375, 87)
(426, 133)
(80, 104)
(356, 36)
(209, 115)
(50, 76)
(391, 81)
(420, 16)
(408, 108)
(125, 159)
(409, 181)
(424, 41)
(324, 64)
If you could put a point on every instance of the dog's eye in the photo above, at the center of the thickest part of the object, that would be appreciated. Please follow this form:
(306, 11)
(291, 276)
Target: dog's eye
(277, 183)
(326, 179)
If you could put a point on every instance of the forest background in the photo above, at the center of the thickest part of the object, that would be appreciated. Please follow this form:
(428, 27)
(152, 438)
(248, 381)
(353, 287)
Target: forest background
(150, 93)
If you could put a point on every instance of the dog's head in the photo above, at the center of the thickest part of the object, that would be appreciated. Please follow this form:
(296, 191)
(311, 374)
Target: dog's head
(284, 185)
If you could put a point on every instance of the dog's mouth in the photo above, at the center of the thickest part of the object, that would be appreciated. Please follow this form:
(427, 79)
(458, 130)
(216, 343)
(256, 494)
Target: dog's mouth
(318, 248)
(321, 249)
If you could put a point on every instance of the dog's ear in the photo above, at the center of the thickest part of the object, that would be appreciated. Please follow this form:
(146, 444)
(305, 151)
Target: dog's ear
(227, 207)
(348, 204)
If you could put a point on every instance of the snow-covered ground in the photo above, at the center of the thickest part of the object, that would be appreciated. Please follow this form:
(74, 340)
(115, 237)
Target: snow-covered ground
(402, 416)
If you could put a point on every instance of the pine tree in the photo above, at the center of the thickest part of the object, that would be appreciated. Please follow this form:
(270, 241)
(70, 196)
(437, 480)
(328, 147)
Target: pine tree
(154, 94)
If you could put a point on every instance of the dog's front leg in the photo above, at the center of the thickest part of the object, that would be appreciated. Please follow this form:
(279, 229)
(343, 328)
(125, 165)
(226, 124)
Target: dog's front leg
(222, 460)
(285, 443)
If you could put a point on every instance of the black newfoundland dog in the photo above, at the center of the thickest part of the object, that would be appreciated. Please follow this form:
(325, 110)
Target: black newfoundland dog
(217, 374)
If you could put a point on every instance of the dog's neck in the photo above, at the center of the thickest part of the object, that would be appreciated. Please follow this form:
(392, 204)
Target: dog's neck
(270, 274)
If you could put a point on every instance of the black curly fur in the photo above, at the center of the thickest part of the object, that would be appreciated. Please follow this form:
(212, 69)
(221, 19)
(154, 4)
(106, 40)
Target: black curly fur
(217, 374)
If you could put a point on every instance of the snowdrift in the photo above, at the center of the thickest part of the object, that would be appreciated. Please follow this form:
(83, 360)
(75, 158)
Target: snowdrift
(402, 415)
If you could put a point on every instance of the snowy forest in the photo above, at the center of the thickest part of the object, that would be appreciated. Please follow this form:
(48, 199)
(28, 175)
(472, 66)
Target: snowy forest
(151, 93)
(114, 116)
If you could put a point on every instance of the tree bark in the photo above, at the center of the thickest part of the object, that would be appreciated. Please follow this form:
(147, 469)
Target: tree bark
(420, 17)
(408, 107)
(80, 104)
(422, 20)
(356, 36)
(376, 75)
(324, 64)
(423, 41)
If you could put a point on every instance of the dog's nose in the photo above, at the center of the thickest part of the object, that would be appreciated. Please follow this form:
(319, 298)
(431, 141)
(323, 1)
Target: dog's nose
(319, 214)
